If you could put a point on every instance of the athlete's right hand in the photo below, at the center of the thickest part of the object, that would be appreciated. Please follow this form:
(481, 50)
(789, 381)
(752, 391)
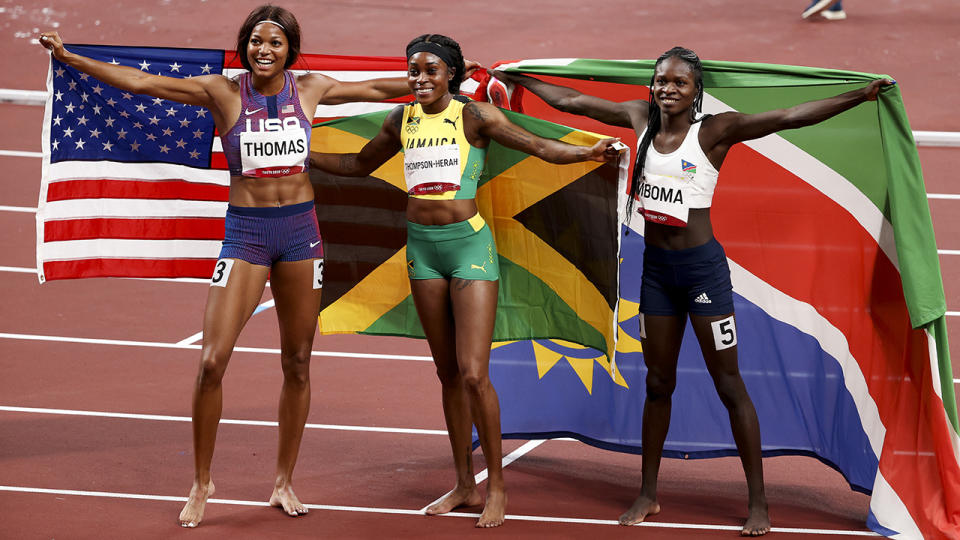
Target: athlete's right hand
(51, 40)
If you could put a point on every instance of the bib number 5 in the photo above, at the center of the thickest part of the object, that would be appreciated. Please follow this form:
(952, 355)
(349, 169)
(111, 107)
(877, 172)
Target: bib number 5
(724, 333)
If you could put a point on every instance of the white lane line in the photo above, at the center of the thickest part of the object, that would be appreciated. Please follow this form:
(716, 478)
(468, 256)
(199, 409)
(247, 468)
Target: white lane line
(409, 512)
(18, 269)
(154, 344)
(943, 196)
(199, 335)
(953, 314)
(263, 423)
(948, 252)
(21, 153)
(25, 209)
(507, 460)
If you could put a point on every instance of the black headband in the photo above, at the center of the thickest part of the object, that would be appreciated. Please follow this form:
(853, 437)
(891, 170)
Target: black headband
(437, 49)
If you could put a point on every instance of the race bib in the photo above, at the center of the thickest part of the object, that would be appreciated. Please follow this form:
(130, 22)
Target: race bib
(273, 153)
(665, 200)
(432, 169)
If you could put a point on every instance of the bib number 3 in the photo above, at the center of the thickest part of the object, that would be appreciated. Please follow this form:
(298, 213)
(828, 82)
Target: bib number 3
(318, 273)
(221, 273)
(724, 333)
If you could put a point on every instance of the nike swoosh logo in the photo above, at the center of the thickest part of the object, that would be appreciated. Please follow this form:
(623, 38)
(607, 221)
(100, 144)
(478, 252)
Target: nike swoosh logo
(314, 244)
(249, 112)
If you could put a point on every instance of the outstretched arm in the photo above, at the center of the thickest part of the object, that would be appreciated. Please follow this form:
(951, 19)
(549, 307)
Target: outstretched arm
(373, 154)
(727, 129)
(193, 91)
(488, 121)
(330, 91)
(629, 114)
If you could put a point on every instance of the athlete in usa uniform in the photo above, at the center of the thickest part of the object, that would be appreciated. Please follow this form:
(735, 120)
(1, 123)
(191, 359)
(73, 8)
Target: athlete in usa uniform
(452, 261)
(685, 271)
(264, 117)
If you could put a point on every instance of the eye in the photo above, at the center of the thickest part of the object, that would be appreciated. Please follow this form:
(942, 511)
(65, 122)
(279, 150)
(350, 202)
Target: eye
(276, 43)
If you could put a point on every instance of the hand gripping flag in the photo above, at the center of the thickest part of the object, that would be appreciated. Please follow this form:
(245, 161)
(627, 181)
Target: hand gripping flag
(838, 295)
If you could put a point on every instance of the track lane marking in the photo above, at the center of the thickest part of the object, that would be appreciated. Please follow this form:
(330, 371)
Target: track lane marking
(409, 512)
(265, 423)
(159, 345)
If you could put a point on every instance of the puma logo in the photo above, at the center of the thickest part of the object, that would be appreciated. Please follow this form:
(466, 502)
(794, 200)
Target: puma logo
(452, 122)
(475, 267)
(249, 112)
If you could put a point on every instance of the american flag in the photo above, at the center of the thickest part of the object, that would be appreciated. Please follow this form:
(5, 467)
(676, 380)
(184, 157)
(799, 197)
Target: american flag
(136, 186)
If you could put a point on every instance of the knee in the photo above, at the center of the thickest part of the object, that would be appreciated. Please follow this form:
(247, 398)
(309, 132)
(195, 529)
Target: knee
(212, 367)
(660, 387)
(296, 366)
(449, 374)
(731, 390)
(475, 381)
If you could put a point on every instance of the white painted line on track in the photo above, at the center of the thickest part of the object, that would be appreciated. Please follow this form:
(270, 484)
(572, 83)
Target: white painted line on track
(158, 345)
(25, 209)
(21, 153)
(18, 269)
(948, 252)
(952, 314)
(263, 423)
(409, 512)
(943, 196)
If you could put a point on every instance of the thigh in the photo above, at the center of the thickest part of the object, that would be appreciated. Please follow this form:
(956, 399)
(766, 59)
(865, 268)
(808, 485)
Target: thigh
(432, 300)
(474, 314)
(717, 335)
(660, 337)
(235, 291)
(296, 287)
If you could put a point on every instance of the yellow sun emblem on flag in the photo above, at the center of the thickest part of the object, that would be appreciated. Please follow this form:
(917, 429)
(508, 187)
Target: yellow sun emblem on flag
(549, 352)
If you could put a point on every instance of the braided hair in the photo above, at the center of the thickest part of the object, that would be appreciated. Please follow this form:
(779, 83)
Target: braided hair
(653, 116)
(449, 51)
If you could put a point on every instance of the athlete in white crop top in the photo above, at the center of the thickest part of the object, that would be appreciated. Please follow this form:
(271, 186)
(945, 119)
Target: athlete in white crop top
(673, 181)
(268, 43)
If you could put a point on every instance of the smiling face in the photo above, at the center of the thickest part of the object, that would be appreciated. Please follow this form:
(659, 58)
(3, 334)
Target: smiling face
(267, 50)
(429, 80)
(674, 85)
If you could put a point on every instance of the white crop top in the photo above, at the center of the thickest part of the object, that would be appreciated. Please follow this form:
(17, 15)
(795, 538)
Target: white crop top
(674, 183)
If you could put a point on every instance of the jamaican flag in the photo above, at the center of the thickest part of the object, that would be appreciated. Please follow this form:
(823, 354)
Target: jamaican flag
(556, 229)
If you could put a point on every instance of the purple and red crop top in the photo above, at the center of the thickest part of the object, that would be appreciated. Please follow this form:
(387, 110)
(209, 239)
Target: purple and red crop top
(272, 135)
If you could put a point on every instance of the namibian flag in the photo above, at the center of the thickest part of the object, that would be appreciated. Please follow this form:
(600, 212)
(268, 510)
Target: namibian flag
(688, 167)
(839, 302)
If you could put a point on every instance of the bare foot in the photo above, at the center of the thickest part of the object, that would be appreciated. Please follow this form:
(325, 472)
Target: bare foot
(455, 499)
(284, 497)
(758, 523)
(192, 512)
(493, 510)
(642, 507)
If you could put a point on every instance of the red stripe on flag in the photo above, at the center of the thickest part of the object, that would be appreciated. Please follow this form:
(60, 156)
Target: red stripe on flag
(148, 268)
(135, 229)
(800, 241)
(136, 189)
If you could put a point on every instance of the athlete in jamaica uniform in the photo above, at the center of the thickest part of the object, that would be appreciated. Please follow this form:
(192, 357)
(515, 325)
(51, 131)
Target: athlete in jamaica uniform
(264, 117)
(452, 262)
(685, 270)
